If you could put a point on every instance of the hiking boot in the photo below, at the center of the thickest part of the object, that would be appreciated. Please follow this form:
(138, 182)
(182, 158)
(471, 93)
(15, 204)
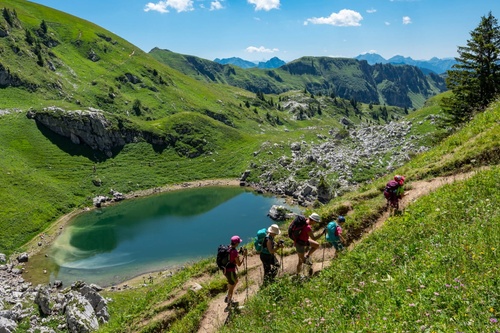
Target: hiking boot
(225, 299)
(307, 261)
(227, 308)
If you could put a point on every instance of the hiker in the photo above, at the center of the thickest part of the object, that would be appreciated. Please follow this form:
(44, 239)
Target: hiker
(267, 255)
(394, 191)
(305, 240)
(230, 271)
(334, 234)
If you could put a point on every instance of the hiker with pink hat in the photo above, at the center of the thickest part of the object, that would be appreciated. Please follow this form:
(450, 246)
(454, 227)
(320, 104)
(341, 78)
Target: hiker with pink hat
(230, 271)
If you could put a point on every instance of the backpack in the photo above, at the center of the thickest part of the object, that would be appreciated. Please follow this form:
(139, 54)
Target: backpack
(332, 232)
(259, 240)
(391, 188)
(223, 256)
(295, 228)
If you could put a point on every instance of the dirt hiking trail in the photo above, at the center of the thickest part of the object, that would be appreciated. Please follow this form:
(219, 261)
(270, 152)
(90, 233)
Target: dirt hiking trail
(215, 316)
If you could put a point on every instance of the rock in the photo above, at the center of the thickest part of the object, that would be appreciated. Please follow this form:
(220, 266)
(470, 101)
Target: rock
(245, 175)
(196, 287)
(42, 299)
(23, 257)
(7, 325)
(295, 146)
(3, 258)
(278, 213)
(80, 316)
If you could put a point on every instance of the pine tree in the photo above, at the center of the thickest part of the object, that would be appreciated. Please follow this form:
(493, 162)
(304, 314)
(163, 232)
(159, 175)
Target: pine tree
(475, 79)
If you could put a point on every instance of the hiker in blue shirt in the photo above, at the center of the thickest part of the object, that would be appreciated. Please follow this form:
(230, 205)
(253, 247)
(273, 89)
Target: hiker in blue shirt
(267, 255)
(334, 234)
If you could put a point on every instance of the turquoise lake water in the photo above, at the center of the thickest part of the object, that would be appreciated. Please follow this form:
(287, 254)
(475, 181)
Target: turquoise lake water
(109, 245)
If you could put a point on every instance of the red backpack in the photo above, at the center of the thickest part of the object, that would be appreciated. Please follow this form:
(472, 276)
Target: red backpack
(295, 228)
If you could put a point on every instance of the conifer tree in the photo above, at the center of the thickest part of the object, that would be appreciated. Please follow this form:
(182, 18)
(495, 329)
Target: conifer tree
(475, 79)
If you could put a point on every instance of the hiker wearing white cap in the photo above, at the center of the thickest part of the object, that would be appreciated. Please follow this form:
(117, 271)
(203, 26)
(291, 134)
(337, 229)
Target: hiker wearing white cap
(267, 256)
(305, 240)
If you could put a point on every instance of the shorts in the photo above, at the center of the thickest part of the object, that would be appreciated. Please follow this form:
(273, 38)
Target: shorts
(301, 246)
(231, 277)
(338, 246)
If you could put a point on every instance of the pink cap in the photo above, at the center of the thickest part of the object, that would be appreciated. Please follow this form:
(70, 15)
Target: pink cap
(235, 240)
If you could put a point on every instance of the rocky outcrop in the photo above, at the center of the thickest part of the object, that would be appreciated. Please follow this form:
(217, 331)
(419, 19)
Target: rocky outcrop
(93, 128)
(77, 309)
(7, 79)
(384, 147)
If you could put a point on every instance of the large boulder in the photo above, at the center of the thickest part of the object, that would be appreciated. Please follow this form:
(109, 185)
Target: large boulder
(80, 316)
(7, 325)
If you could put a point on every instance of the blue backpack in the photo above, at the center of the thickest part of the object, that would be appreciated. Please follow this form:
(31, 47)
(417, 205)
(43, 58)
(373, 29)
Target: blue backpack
(332, 234)
(257, 243)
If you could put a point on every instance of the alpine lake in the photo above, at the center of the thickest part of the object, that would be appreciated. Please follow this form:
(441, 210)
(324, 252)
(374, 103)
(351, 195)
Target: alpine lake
(110, 245)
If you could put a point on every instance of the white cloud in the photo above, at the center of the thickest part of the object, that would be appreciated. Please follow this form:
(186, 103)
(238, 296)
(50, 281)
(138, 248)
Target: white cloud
(344, 18)
(387, 23)
(215, 5)
(406, 20)
(371, 11)
(262, 49)
(266, 5)
(164, 5)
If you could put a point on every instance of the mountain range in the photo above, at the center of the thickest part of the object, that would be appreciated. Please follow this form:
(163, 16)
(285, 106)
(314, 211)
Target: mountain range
(405, 86)
(436, 65)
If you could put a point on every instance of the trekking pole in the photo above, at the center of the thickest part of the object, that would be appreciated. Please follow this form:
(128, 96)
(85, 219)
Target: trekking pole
(323, 260)
(246, 272)
(282, 263)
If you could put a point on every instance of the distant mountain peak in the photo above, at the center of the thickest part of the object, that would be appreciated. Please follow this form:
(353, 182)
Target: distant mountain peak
(274, 62)
(435, 64)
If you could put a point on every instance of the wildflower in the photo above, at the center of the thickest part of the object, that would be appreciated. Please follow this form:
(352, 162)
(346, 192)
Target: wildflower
(448, 285)
(493, 320)
(436, 293)
(385, 318)
(409, 290)
(411, 304)
(422, 286)
(492, 310)
(362, 284)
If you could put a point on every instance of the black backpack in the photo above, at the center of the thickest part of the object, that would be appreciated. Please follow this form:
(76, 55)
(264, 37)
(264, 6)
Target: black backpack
(295, 228)
(223, 256)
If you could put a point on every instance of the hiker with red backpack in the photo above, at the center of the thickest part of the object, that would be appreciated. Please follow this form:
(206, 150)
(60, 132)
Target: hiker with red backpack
(394, 191)
(230, 271)
(267, 255)
(304, 240)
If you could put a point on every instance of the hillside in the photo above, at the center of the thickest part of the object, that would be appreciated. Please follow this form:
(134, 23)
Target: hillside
(381, 84)
(416, 269)
(83, 111)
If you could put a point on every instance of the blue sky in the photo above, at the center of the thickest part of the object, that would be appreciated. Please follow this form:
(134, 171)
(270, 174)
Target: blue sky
(288, 29)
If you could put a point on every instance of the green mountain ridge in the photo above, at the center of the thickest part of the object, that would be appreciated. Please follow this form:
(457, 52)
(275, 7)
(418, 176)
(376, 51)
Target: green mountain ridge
(343, 77)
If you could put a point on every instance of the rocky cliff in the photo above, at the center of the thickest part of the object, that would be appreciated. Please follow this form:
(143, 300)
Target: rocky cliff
(97, 129)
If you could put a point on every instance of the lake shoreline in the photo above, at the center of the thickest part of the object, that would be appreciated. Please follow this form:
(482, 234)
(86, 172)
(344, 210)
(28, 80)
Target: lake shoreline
(45, 239)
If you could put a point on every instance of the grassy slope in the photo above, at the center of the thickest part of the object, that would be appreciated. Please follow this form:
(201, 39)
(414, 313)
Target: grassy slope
(435, 262)
(434, 268)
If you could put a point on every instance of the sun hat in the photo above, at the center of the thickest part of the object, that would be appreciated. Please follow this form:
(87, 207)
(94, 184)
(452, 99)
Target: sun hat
(235, 240)
(315, 217)
(274, 229)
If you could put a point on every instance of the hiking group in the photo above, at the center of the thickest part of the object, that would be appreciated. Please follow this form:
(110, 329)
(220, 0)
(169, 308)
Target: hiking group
(301, 231)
